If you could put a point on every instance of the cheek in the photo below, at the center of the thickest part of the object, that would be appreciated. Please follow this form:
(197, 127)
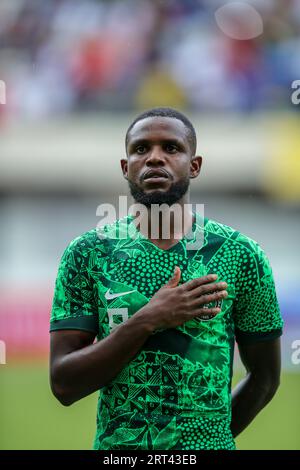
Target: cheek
(133, 170)
(182, 169)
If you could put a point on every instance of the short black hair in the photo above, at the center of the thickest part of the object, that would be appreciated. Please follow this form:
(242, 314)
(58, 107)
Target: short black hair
(170, 113)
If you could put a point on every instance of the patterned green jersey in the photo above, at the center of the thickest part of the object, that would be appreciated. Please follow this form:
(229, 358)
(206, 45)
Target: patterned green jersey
(176, 392)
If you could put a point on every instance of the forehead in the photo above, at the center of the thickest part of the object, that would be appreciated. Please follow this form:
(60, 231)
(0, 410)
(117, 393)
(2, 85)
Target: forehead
(158, 127)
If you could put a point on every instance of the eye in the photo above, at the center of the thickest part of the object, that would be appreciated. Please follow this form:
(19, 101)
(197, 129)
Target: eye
(171, 148)
(141, 149)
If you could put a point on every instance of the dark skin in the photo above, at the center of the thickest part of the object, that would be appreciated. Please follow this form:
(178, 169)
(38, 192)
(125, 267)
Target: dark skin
(262, 361)
(161, 143)
(78, 367)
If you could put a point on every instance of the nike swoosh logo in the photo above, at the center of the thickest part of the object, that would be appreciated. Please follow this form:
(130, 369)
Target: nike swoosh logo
(109, 296)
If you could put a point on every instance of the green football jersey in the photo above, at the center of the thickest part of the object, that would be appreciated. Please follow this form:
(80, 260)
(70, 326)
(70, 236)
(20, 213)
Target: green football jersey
(176, 392)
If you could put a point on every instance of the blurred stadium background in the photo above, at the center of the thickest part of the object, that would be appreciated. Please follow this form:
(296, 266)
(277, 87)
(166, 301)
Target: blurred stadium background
(75, 74)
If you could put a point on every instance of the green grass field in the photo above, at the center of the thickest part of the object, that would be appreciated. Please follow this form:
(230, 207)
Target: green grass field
(31, 418)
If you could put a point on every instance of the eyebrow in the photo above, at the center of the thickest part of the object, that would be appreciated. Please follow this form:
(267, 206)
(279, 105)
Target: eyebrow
(134, 143)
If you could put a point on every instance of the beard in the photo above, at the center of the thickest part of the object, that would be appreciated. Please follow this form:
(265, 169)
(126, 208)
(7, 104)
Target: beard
(170, 197)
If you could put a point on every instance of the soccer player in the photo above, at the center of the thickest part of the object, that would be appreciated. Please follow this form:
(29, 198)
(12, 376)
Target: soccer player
(165, 316)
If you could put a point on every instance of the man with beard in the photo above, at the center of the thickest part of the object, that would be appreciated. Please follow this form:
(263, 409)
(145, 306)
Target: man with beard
(165, 314)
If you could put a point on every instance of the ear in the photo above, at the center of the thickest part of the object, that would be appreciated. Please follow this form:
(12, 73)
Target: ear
(195, 166)
(124, 166)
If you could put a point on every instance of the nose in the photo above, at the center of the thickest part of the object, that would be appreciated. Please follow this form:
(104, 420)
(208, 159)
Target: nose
(155, 156)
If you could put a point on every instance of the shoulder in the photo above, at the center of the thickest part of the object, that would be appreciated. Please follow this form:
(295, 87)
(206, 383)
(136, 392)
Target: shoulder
(233, 238)
(98, 239)
(83, 243)
(241, 253)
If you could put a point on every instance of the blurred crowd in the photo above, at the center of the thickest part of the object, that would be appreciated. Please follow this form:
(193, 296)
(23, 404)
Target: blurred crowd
(62, 56)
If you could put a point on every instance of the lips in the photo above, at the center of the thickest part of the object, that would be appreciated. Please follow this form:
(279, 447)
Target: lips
(155, 174)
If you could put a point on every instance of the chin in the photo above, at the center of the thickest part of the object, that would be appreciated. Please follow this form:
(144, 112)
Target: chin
(168, 196)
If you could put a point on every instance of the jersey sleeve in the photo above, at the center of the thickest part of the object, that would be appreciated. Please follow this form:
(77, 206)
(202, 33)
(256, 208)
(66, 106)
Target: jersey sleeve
(257, 315)
(73, 305)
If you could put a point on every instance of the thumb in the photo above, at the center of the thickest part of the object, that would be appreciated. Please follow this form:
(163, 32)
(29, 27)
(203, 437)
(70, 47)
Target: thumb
(173, 282)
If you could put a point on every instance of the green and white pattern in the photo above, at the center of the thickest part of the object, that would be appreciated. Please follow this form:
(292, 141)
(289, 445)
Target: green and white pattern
(176, 392)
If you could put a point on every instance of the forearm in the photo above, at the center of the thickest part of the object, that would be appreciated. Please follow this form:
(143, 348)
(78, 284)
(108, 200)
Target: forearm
(249, 397)
(86, 370)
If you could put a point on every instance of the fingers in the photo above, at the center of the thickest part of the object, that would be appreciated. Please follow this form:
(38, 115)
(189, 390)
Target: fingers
(199, 281)
(208, 288)
(206, 299)
(204, 313)
(173, 282)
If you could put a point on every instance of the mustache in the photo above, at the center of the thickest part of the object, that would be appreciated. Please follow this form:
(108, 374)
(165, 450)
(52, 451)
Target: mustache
(160, 170)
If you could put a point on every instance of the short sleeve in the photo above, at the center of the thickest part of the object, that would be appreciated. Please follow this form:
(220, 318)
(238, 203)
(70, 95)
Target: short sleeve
(257, 315)
(73, 305)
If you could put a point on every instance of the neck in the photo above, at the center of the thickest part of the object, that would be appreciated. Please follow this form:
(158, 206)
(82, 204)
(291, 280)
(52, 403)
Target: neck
(165, 224)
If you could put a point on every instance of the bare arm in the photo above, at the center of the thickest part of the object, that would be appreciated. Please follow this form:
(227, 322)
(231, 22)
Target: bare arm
(78, 367)
(253, 393)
